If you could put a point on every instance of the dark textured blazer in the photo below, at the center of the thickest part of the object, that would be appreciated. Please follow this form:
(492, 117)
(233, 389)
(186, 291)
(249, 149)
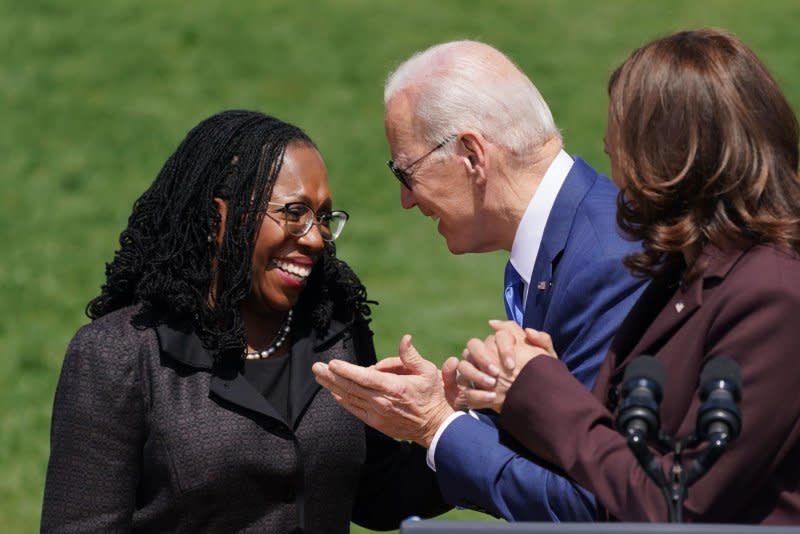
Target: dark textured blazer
(746, 306)
(148, 435)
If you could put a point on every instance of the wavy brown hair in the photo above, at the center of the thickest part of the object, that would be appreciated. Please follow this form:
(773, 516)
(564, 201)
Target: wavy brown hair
(704, 147)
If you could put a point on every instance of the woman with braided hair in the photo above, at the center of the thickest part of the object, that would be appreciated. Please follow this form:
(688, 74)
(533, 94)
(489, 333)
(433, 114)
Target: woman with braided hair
(188, 402)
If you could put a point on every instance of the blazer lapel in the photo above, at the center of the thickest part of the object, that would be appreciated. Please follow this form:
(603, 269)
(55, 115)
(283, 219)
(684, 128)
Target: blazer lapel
(554, 239)
(302, 385)
(306, 351)
(235, 388)
(680, 305)
(662, 309)
(182, 344)
(639, 319)
(229, 384)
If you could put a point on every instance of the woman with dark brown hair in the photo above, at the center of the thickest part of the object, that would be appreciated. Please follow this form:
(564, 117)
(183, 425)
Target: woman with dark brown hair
(704, 147)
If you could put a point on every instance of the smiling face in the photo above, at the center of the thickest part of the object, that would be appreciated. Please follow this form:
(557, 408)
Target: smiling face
(440, 186)
(282, 262)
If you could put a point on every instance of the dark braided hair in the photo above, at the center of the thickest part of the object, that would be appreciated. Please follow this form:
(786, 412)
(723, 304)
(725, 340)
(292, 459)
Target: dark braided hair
(168, 260)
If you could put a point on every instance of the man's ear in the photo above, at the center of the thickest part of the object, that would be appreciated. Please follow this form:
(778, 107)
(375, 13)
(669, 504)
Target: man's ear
(473, 148)
(219, 229)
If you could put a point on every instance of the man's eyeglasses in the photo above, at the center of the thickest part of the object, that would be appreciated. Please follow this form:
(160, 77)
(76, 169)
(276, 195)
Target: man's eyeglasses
(404, 175)
(298, 218)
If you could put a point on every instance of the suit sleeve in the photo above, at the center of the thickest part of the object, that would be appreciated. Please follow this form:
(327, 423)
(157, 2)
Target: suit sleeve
(476, 471)
(96, 437)
(754, 328)
(395, 481)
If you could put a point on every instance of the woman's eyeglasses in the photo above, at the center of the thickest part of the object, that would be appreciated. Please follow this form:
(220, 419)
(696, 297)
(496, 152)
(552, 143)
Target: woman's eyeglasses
(298, 218)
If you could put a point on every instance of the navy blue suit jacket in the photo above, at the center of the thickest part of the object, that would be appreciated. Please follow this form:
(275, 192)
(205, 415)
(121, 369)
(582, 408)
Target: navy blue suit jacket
(579, 293)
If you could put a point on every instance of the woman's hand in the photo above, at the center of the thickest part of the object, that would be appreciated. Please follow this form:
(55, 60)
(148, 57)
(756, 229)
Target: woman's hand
(489, 367)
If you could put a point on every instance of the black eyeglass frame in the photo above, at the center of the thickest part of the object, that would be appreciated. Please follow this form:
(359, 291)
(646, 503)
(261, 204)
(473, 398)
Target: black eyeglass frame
(403, 175)
(321, 220)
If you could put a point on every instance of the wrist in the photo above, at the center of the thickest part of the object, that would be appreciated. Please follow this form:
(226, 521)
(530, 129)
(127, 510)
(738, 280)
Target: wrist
(438, 417)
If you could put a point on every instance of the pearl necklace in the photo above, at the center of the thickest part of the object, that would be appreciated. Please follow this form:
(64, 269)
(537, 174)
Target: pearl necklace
(275, 345)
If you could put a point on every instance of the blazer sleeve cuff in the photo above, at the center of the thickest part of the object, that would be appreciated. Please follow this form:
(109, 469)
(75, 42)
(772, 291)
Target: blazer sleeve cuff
(430, 457)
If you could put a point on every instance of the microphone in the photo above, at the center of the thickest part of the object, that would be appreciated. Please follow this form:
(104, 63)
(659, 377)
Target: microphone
(642, 388)
(720, 390)
(638, 418)
(718, 420)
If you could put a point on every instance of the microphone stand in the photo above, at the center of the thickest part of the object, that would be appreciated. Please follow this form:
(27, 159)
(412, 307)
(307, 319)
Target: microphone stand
(675, 488)
(637, 443)
(718, 421)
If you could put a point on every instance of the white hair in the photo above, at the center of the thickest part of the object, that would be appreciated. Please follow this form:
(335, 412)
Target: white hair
(468, 85)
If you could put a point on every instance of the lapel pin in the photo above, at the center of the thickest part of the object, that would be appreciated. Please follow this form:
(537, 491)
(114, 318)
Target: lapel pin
(679, 306)
(542, 285)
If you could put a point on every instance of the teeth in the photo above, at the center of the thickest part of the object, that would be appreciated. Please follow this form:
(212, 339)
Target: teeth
(292, 268)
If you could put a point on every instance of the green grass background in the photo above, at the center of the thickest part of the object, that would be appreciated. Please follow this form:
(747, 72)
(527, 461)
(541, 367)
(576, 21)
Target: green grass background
(95, 94)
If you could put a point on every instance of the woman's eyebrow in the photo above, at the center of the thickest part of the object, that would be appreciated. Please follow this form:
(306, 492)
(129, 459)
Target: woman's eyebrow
(301, 198)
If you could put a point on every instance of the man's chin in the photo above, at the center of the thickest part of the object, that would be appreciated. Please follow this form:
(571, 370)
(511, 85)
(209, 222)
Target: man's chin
(464, 243)
(453, 246)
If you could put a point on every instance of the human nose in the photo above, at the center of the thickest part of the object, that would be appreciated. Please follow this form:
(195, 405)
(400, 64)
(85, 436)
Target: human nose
(312, 239)
(407, 197)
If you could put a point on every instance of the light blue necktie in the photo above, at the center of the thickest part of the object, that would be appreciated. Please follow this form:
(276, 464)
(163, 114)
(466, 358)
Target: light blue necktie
(513, 294)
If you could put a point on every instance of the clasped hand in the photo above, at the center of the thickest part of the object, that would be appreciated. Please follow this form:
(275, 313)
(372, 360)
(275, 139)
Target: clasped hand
(489, 367)
(407, 397)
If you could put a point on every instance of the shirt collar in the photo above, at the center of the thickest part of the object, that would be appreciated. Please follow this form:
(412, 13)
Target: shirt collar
(530, 231)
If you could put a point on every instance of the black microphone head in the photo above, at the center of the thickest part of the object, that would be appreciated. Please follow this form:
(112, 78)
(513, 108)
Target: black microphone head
(718, 370)
(642, 388)
(720, 390)
(645, 367)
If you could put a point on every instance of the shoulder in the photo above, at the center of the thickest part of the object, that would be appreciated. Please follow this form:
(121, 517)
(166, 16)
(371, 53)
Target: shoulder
(753, 293)
(600, 187)
(595, 228)
(112, 342)
(752, 315)
(778, 261)
(765, 271)
(118, 326)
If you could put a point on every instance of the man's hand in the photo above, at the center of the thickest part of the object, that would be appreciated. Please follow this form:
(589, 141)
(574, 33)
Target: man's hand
(454, 392)
(403, 397)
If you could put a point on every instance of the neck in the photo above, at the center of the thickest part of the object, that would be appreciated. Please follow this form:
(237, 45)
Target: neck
(516, 187)
(277, 345)
(261, 329)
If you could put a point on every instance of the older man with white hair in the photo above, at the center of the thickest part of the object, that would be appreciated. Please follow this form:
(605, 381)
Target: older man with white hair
(474, 145)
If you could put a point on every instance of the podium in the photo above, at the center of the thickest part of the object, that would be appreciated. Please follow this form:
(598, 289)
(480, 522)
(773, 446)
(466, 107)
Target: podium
(432, 526)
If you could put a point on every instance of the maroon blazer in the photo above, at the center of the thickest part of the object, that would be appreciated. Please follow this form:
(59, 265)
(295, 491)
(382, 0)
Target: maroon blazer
(746, 307)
